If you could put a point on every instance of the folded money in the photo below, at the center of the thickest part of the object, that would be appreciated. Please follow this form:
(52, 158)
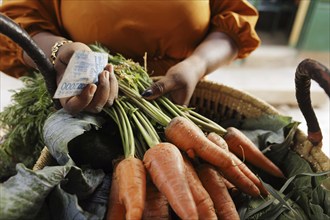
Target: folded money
(83, 69)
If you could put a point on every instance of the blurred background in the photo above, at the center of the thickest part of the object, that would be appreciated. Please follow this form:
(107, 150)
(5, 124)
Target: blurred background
(291, 31)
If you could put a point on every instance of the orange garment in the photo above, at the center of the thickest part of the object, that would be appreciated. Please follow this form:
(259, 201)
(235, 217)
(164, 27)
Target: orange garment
(168, 31)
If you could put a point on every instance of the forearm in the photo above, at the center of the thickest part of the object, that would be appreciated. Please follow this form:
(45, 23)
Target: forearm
(45, 41)
(215, 51)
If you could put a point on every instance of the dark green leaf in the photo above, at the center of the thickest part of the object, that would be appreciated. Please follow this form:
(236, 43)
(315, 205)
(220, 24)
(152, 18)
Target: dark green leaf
(22, 195)
(61, 127)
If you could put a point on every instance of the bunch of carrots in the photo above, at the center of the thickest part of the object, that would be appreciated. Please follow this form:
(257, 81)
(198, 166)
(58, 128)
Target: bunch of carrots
(175, 157)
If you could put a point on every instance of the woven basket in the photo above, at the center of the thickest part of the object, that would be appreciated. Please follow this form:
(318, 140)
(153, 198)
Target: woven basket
(220, 102)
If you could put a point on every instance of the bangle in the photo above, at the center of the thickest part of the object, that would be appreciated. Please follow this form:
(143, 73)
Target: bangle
(55, 49)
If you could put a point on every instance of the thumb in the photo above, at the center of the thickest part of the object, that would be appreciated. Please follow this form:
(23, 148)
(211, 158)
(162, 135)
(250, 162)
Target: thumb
(159, 88)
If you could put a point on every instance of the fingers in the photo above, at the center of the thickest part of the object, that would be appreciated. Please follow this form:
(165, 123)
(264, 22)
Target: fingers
(114, 88)
(181, 98)
(93, 98)
(76, 103)
(160, 88)
(180, 93)
(64, 55)
(66, 51)
(101, 95)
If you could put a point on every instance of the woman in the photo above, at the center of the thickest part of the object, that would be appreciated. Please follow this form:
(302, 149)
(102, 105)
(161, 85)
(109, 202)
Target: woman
(184, 40)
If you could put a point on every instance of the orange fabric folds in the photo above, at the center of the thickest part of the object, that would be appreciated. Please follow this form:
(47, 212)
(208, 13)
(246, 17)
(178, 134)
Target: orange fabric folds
(167, 31)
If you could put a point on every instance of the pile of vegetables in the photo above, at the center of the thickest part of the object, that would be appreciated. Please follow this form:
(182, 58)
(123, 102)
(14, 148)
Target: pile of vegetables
(176, 162)
(163, 160)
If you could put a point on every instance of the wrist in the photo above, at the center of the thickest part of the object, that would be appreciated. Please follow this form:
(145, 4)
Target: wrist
(56, 47)
(197, 65)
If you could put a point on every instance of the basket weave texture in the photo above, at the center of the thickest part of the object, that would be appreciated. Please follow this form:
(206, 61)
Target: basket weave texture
(220, 102)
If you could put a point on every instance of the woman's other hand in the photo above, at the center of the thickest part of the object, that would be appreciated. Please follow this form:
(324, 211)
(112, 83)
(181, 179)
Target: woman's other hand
(93, 97)
(180, 81)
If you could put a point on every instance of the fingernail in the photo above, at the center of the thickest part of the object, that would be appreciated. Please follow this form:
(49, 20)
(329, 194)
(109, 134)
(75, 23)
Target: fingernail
(92, 90)
(106, 75)
(98, 108)
(147, 93)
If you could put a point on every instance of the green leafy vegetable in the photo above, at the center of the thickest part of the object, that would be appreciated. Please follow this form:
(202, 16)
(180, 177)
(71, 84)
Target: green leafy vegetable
(22, 123)
(301, 196)
(22, 195)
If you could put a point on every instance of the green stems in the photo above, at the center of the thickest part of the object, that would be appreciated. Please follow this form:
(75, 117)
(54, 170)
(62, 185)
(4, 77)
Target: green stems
(144, 125)
(204, 123)
(146, 106)
(119, 115)
(133, 79)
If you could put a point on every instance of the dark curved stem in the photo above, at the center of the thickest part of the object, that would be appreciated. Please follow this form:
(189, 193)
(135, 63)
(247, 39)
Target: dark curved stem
(12, 30)
(310, 69)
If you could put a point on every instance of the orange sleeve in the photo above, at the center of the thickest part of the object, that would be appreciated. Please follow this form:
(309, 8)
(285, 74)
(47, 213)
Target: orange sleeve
(237, 19)
(34, 17)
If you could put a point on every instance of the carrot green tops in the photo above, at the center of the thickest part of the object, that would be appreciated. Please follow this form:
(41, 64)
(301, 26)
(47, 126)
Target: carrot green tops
(167, 30)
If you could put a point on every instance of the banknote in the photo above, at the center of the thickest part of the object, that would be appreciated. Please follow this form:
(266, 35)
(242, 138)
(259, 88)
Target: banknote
(83, 68)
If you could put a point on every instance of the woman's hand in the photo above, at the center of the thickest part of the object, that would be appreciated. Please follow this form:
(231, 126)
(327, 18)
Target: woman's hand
(180, 81)
(93, 97)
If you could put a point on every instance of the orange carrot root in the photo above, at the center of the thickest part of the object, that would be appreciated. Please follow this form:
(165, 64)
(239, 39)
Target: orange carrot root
(214, 184)
(238, 142)
(202, 199)
(233, 190)
(157, 206)
(165, 165)
(249, 174)
(218, 140)
(116, 210)
(191, 139)
(132, 186)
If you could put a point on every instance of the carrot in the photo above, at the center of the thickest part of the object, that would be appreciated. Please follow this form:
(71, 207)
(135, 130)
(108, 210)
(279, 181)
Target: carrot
(218, 140)
(165, 165)
(116, 210)
(191, 139)
(202, 199)
(130, 172)
(240, 145)
(132, 186)
(242, 166)
(157, 206)
(214, 184)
